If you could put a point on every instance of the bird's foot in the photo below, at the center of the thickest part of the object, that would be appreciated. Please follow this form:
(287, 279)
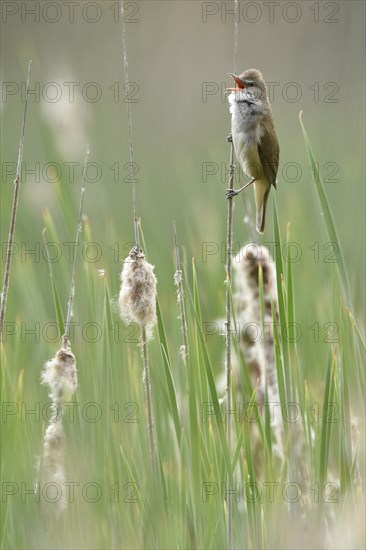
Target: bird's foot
(230, 193)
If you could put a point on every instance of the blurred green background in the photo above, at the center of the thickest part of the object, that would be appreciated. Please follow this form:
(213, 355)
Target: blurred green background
(177, 51)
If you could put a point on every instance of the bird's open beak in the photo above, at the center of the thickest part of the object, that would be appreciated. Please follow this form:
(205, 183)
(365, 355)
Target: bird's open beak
(240, 85)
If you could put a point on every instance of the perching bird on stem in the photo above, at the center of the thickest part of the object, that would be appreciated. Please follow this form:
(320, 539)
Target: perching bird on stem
(254, 138)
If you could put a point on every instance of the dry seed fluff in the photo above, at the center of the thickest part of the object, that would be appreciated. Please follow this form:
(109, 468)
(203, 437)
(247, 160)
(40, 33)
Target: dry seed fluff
(137, 298)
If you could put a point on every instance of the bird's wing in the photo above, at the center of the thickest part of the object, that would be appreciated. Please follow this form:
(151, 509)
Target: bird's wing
(269, 152)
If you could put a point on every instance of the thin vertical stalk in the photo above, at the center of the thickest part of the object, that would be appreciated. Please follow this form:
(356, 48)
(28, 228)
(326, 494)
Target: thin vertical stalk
(130, 137)
(179, 283)
(147, 384)
(5, 289)
(229, 236)
(138, 252)
(144, 339)
(229, 242)
(73, 276)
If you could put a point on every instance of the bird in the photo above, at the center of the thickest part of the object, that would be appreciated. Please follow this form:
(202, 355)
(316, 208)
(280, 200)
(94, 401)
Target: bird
(254, 138)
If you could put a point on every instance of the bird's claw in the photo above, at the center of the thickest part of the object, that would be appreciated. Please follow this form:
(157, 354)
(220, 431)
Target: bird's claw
(230, 193)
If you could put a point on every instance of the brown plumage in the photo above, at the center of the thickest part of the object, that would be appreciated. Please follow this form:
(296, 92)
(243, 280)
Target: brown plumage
(254, 138)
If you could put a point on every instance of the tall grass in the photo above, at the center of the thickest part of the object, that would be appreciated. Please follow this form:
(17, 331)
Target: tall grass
(112, 498)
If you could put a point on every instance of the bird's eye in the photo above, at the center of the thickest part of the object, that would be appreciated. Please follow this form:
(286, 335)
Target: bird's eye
(251, 84)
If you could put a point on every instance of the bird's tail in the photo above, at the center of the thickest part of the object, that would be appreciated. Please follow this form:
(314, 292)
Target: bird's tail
(261, 198)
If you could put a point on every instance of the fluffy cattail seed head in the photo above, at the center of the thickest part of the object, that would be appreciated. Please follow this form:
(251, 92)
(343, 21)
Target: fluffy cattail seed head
(257, 344)
(60, 375)
(257, 348)
(53, 453)
(137, 297)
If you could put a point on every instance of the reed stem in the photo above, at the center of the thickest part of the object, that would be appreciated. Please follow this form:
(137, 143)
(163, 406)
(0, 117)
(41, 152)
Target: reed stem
(229, 242)
(66, 340)
(130, 136)
(5, 289)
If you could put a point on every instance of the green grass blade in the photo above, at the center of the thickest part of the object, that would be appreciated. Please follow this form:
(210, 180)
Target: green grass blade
(357, 330)
(327, 217)
(55, 295)
(168, 374)
(211, 385)
(281, 301)
(326, 424)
